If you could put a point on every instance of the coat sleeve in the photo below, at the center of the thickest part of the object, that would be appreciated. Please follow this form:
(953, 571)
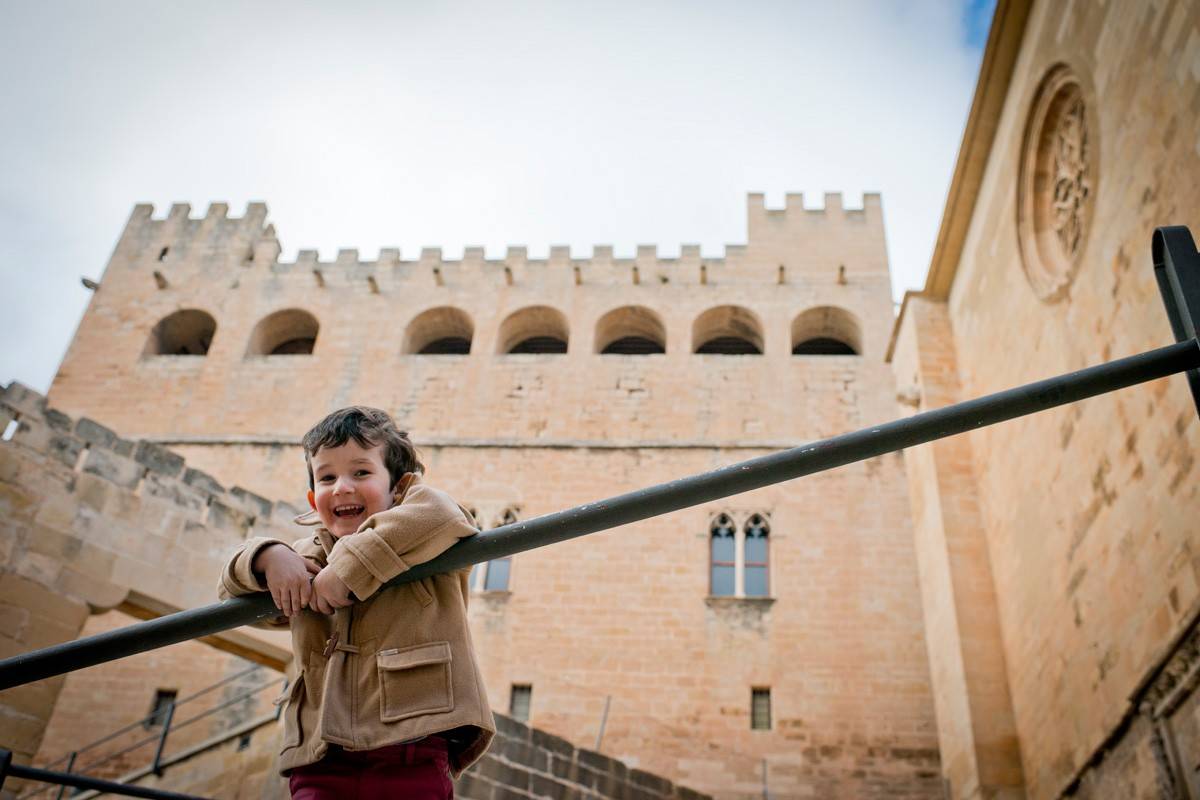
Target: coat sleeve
(238, 577)
(426, 524)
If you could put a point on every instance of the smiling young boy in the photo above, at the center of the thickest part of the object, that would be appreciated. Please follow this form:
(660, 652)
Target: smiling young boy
(389, 701)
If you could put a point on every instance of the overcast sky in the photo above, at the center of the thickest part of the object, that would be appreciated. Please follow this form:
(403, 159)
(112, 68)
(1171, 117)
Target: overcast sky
(410, 124)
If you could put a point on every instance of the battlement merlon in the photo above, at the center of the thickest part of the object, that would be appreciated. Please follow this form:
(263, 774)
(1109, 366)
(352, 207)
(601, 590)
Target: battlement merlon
(796, 226)
(247, 237)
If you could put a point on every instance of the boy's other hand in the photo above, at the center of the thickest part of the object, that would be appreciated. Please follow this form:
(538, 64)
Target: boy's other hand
(289, 577)
(330, 592)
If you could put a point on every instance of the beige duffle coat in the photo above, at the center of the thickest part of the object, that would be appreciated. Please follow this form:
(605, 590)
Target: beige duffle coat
(399, 664)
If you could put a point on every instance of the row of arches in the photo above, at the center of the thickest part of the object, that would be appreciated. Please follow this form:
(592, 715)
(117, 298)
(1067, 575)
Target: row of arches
(446, 330)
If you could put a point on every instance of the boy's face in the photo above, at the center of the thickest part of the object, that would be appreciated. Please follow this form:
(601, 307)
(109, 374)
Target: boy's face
(350, 483)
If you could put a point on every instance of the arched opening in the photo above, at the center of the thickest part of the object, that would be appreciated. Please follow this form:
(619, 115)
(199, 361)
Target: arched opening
(188, 332)
(536, 329)
(727, 331)
(442, 331)
(631, 331)
(290, 332)
(826, 331)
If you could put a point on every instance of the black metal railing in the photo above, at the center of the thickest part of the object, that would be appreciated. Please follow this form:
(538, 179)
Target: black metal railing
(7, 768)
(1177, 270)
(162, 718)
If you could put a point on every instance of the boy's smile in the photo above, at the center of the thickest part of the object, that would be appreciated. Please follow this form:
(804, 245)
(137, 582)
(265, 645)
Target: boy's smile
(350, 483)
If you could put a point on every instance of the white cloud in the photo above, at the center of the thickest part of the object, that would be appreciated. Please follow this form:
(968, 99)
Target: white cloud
(459, 123)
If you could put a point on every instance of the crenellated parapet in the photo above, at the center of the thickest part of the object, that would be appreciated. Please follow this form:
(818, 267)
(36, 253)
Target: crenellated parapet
(775, 237)
(182, 236)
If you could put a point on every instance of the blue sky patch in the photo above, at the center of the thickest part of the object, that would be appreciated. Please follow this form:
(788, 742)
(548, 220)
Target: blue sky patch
(977, 19)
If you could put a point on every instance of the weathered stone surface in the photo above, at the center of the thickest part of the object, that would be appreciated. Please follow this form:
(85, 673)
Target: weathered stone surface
(253, 504)
(23, 399)
(202, 481)
(113, 468)
(158, 459)
(94, 433)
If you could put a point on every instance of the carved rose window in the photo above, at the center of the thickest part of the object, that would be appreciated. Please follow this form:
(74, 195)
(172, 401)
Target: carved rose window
(1057, 184)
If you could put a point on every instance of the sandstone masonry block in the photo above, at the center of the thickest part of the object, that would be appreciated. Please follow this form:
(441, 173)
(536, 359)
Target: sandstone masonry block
(222, 517)
(24, 399)
(202, 481)
(174, 491)
(159, 459)
(57, 420)
(256, 505)
(113, 468)
(96, 434)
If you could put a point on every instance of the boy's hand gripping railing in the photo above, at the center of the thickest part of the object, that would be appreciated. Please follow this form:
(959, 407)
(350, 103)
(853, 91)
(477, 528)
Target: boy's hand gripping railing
(1177, 267)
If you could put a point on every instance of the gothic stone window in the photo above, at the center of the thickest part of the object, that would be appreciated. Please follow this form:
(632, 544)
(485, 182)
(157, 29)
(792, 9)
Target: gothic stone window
(493, 575)
(738, 555)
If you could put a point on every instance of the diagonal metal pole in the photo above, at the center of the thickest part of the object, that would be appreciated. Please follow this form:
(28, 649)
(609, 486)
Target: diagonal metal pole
(638, 505)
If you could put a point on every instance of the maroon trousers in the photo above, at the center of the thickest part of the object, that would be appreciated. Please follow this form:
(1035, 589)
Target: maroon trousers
(417, 771)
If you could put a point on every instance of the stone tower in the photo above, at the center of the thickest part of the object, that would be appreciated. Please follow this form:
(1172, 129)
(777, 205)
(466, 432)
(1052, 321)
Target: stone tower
(776, 636)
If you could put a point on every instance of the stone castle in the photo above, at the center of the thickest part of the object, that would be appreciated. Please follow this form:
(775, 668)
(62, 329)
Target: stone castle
(1005, 614)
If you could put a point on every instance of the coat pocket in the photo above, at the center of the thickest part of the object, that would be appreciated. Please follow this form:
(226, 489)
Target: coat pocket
(414, 681)
(293, 697)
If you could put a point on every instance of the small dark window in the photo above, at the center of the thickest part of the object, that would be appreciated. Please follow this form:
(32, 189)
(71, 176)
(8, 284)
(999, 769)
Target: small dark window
(723, 558)
(244, 742)
(633, 346)
(295, 347)
(162, 255)
(540, 344)
(760, 709)
(823, 346)
(163, 699)
(449, 346)
(519, 701)
(729, 346)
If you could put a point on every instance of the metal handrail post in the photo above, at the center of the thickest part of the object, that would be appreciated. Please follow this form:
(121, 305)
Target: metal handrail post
(162, 740)
(1177, 271)
(70, 763)
(5, 765)
(8, 768)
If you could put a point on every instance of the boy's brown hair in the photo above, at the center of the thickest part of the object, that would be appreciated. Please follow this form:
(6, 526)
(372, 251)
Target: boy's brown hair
(368, 427)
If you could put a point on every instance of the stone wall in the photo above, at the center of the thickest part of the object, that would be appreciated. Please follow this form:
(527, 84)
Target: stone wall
(1089, 510)
(525, 763)
(91, 522)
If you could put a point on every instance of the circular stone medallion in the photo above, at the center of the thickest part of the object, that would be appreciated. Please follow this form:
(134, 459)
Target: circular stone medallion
(1056, 184)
